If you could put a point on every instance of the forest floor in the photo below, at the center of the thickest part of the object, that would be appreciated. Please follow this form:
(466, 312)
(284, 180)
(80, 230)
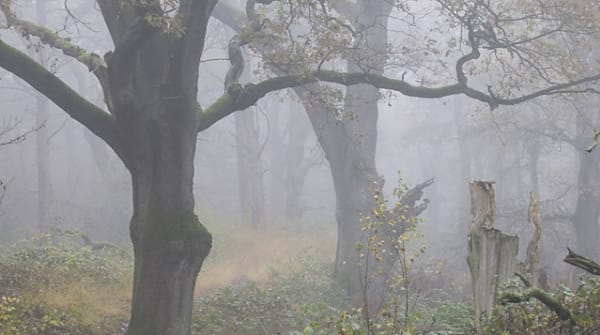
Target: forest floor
(48, 283)
(258, 282)
(243, 255)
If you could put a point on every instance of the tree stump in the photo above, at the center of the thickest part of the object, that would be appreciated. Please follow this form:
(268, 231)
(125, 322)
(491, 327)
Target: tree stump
(492, 255)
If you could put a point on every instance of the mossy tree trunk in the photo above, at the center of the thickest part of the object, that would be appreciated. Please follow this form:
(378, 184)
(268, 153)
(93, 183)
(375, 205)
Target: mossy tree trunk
(169, 242)
(156, 111)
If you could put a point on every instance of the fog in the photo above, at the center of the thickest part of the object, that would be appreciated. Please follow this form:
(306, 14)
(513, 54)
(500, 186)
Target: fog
(295, 174)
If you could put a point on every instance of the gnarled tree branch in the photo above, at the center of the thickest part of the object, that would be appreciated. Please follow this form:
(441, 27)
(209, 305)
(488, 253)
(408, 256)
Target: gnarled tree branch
(93, 117)
(241, 97)
(92, 61)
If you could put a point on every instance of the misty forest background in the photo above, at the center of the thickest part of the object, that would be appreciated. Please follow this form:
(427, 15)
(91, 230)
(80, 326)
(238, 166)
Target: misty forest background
(265, 184)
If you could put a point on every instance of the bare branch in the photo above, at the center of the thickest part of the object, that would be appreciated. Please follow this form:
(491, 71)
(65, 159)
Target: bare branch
(92, 61)
(241, 97)
(20, 137)
(93, 117)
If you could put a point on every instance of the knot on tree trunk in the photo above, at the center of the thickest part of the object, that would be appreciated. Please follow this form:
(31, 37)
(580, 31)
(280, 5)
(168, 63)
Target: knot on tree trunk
(178, 238)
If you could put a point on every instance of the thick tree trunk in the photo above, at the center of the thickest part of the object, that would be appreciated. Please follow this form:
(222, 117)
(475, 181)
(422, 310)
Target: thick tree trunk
(353, 175)
(167, 262)
(353, 165)
(169, 242)
(157, 118)
(349, 144)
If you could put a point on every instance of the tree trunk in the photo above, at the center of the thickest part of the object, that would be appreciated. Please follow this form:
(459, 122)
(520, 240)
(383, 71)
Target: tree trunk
(157, 116)
(167, 262)
(349, 143)
(169, 241)
(353, 163)
(353, 175)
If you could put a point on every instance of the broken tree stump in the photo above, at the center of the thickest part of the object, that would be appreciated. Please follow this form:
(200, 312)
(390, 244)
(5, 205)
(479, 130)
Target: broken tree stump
(492, 255)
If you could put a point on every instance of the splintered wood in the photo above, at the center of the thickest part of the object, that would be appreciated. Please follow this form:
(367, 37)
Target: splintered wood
(492, 255)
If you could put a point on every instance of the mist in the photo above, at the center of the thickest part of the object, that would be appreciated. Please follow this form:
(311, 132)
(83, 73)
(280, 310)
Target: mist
(269, 167)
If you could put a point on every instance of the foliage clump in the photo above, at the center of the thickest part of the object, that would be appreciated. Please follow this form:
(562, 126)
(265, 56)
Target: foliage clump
(531, 317)
(52, 285)
(301, 291)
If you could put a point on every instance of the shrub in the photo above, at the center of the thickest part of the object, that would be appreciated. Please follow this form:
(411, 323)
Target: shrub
(532, 317)
(291, 297)
(52, 285)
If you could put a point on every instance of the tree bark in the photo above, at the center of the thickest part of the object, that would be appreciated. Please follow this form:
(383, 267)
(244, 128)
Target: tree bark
(169, 241)
(152, 95)
(492, 255)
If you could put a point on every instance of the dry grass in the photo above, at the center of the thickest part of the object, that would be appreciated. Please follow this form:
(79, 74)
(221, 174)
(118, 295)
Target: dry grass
(247, 255)
(238, 255)
(96, 305)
